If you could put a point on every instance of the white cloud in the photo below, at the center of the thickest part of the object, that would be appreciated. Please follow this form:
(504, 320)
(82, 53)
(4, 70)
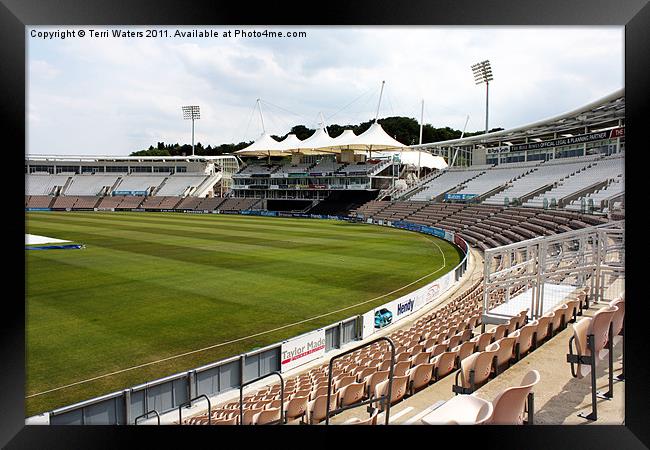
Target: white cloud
(115, 96)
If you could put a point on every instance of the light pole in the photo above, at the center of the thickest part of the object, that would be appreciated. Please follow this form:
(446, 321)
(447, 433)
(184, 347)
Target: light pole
(191, 113)
(483, 74)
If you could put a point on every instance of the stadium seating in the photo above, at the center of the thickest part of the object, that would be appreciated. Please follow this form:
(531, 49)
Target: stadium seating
(38, 201)
(160, 202)
(239, 204)
(180, 184)
(140, 183)
(90, 184)
(591, 336)
(509, 406)
(461, 410)
(481, 225)
(444, 182)
(597, 171)
(45, 184)
(492, 179)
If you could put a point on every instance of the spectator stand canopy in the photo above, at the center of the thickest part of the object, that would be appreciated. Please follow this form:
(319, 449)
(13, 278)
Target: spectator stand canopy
(316, 144)
(265, 145)
(374, 138)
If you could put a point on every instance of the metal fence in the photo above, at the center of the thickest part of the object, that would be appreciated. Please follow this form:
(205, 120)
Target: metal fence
(542, 272)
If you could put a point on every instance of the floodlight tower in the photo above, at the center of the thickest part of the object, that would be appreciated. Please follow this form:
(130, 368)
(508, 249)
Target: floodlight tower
(483, 74)
(191, 113)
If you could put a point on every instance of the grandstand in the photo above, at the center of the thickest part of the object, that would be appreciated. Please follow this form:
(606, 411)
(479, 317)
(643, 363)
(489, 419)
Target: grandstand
(532, 210)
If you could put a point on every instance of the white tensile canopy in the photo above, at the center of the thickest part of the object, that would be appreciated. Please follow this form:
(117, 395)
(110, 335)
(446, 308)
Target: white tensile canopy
(374, 138)
(265, 145)
(345, 137)
(416, 158)
(316, 144)
(291, 141)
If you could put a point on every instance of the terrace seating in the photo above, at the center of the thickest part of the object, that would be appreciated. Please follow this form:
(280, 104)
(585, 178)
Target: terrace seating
(44, 184)
(317, 408)
(419, 377)
(90, 184)
(591, 335)
(180, 184)
(238, 204)
(398, 390)
(474, 371)
(139, 183)
(461, 410)
(372, 420)
(509, 407)
(505, 353)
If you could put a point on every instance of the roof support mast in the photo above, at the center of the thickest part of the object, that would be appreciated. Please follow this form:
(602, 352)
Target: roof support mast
(259, 105)
(377, 113)
(461, 136)
(420, 142)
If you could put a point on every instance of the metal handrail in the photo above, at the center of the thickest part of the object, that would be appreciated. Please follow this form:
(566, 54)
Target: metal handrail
(371, 399)
(189, 403)
(135, 422)
(241, 395)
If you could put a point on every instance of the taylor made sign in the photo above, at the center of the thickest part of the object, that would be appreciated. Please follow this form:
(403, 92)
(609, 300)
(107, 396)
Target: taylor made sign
(561, 142)
(302, 349)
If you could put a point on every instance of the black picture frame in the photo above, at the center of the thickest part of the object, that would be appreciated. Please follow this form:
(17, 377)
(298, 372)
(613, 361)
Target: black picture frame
(15, 15)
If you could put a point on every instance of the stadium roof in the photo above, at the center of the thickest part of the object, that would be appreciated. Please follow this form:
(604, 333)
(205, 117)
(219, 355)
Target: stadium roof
(607, 109)
(90, 158)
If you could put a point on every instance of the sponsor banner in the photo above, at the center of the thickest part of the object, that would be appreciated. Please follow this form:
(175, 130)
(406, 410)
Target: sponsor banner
(38, 209)
(368, 320)
(406, 305)
(316, 216)
(459, 196)
(460, 242)
(104, 209)
(284, 214)
(269, 213)
(227, 211)
(302, 349)
(449, 236)
(590, 137)
(143, 193)
(617, 132)
(498, 149)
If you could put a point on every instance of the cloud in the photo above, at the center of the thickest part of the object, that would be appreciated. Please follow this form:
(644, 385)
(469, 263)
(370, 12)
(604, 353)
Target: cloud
(115, 96)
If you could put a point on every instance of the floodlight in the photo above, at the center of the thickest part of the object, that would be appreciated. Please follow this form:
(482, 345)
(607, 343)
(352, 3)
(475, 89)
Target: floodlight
(192, 113)
(483, 74)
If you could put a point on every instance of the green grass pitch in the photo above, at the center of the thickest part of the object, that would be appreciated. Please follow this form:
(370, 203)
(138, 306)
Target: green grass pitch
(149, 286)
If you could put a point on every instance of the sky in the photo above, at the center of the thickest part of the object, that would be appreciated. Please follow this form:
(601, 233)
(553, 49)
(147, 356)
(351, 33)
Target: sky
(97, 95)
